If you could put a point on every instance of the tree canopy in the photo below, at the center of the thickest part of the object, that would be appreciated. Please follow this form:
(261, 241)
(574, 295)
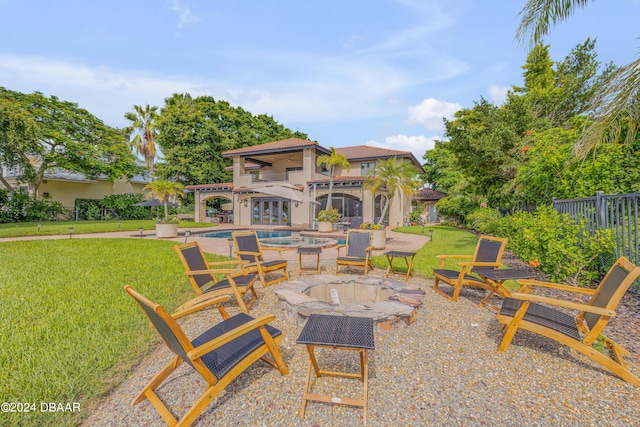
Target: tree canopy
(142, 132)
(59, 135)
(521, 152)
(192, 132)
(614, 106)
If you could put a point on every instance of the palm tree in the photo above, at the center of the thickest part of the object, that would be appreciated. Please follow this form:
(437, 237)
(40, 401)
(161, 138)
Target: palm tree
(331, 161)
(142, 131)
(163, 190)
(394, 175)
(616, 105)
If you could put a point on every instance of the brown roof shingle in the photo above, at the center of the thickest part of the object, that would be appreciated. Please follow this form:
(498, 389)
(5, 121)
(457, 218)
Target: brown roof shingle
(368, 152)
(283, 145)
(428, 194)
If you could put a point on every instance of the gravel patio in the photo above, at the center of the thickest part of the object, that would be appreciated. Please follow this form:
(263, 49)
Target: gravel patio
(441, 370)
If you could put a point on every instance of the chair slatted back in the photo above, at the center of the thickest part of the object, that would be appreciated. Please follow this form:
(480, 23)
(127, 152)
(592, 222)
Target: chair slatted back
(248, 242)
(357, 243)
(488, 250)
(194, 260)
(356, 222)
(612, 288)
(165, 326)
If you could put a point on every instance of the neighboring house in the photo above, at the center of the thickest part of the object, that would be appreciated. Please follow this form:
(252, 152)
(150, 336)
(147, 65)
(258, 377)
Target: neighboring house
(279, 184)
(430, 197)
(65, 187)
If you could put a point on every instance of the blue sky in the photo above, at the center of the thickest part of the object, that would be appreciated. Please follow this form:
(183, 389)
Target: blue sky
(382, 72)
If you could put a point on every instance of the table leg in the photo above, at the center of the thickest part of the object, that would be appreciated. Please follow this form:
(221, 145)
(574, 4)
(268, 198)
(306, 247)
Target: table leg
(364, 357)
(306, 390)
(390, 261)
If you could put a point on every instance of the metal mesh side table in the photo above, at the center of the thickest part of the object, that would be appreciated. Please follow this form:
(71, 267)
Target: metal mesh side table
(338, 333)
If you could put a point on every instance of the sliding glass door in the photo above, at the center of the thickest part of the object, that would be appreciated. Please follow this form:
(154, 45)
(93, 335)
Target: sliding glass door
(270, 211)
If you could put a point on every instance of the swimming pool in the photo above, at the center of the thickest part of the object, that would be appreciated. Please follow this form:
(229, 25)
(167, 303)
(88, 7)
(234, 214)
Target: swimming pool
(262, 234)
(285, 239)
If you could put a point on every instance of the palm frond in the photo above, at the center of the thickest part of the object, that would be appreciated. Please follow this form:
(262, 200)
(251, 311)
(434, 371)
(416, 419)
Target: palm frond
(537, 17)
(616, 108)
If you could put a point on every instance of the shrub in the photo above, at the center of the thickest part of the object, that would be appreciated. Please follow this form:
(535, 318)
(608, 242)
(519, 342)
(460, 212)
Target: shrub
(18, 206)
(329, 215)
(455, 207)
(566, 251)
(484, 220)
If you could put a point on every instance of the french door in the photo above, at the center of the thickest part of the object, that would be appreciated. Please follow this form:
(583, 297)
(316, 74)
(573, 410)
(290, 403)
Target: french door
(270, 211)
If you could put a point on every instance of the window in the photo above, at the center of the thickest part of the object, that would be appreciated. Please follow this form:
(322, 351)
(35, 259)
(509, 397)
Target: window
(366, 167)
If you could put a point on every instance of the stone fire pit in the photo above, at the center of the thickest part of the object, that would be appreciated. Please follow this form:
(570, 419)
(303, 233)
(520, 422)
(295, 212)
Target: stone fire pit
(389, 302)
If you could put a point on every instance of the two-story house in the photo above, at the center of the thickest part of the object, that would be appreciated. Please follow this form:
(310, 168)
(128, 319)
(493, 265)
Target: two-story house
(280, 184)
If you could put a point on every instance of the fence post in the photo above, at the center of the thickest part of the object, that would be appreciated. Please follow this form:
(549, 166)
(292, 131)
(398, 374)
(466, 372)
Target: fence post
(600, 210)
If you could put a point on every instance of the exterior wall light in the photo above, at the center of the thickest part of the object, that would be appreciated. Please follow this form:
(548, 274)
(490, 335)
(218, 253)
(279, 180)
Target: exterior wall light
(245, 203)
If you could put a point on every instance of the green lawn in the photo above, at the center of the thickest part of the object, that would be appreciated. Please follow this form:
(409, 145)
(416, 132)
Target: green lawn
(446, 241)
(49, 228)
(69, 331)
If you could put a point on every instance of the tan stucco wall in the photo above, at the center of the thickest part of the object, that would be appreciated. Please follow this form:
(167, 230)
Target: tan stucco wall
(66, 192)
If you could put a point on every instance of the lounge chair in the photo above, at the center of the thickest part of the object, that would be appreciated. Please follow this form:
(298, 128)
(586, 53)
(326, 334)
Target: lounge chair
(219, 355)
(249, 250)
(526, 311)
(488, 255)
(358, 251)
(203, 277)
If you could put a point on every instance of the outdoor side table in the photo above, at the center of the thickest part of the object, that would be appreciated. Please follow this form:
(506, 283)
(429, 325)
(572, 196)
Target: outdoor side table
(496, 278)
(408, 259)
(338, 333)
(309, 250)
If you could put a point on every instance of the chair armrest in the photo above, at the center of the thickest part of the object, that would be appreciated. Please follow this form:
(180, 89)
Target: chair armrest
(231, 261)
(370, 248)
(216, 271)
(444, 258)
(479, 264)
(526, 283)
(207, 347)
(206, 302)
(563, 303)
(340, 247)
(274, 249)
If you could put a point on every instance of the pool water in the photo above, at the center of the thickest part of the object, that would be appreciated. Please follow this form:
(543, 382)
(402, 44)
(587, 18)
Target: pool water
(262, 234)
(284, 239)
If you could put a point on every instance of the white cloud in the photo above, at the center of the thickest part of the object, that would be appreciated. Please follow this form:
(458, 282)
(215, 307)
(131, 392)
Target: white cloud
(184, 13)
(331, 89)
(418, 145)
(498, 94)
(431, 111)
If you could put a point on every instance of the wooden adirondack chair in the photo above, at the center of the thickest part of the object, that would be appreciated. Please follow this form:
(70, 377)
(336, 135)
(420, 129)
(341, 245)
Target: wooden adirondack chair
(218, 355)
(203, 277)
(249, 250)
(358, 251)
(526, 311)
(488, 255)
